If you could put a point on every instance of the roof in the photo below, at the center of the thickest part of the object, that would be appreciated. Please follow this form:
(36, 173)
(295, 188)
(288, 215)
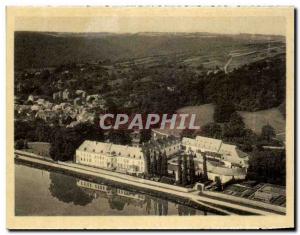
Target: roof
(230, 152)
(209, 143)
(110, 149)
(162, 142)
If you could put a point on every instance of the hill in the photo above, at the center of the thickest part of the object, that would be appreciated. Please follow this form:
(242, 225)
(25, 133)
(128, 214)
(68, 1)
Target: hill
(44, 49)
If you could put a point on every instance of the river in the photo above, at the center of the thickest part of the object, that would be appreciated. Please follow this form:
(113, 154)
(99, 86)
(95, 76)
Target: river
(47, 193)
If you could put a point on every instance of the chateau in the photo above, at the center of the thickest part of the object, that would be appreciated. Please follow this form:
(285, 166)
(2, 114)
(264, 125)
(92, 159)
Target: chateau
(213, 158)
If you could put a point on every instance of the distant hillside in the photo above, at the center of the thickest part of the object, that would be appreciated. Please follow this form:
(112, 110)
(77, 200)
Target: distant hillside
(35, 49)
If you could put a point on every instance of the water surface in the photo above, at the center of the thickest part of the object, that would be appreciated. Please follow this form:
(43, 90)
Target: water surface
(43, 192)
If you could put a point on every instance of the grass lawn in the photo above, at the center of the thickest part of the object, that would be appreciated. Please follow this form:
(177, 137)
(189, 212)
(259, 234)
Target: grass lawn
(40, 148)
(256, 120)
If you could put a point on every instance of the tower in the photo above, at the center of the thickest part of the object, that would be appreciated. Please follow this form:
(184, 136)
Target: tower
(135, 138)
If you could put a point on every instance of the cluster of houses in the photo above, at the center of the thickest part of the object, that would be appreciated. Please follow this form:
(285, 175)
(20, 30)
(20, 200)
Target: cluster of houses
(68, 108)
(219, 161)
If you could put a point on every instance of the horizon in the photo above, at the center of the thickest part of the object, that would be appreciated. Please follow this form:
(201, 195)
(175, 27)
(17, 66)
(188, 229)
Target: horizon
(275, 26)
(149, 32)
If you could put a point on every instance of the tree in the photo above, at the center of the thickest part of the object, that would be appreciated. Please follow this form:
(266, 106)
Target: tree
(268, 166)
(42, 132)
(184, 171)
(218, 183)
(204, 166)
(164, 167)
(192, 172)
(159, 164)
(56, 145)
(223, 111)
(148, 162)
(21, 129)
(179, 170)
(189, 133)
(235, 127)
(19, 144)
(119, 137)
(154, 164)
(267, 132)
(212, 130)
(145, 135)
(65, 141)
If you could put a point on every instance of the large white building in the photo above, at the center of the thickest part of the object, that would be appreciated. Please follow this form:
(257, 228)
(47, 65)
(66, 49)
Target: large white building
(121, 158)
(223, 161)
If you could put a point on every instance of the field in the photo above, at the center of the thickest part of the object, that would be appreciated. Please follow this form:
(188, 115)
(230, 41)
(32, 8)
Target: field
(253, 120)
(256, 120)
(40, 148)
(204, 113)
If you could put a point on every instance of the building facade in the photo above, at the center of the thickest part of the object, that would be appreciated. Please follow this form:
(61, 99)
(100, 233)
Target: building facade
(120, 158)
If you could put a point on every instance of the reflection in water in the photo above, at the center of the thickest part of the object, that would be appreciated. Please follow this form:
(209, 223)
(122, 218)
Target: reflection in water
(118, 198)
(64, 188)
(52, 193)
(81, 192)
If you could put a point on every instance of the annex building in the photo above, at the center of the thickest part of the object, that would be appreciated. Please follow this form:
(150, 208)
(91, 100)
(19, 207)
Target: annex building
(223, 161)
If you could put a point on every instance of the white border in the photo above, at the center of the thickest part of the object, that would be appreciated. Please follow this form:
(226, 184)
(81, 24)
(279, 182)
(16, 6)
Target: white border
(5, 3)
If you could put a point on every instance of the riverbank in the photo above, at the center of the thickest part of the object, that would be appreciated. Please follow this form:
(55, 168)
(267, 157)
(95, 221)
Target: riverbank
(187, 196)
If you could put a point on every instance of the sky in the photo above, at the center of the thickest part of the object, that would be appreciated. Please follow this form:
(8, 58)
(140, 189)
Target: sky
(270, 25)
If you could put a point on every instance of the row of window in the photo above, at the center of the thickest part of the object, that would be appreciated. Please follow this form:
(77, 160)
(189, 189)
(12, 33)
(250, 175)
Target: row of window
(121, 164)
(119, 154)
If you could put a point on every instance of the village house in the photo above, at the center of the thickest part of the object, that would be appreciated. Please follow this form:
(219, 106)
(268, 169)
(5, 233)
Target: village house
(46, 115)
(40, 101)
(80, 93)
(66, 95)
(73, 124)
(85, 116)
(32, 98)
(57, 95)
(23, 108)
(77, 101)
(36, 107)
